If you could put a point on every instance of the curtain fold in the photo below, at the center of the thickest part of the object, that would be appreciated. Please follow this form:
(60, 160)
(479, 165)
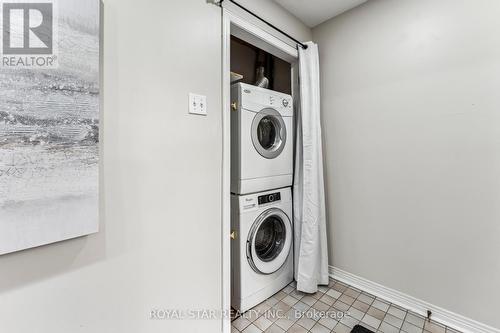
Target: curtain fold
(311, 253)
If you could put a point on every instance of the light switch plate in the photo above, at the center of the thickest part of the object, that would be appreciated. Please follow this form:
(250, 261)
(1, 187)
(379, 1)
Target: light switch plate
(197, 104)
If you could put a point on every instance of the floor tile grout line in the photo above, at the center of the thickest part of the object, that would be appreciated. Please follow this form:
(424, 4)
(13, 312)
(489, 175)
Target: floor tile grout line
(348, 291)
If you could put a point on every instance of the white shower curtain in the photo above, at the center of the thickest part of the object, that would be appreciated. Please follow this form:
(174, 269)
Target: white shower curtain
(311, 254)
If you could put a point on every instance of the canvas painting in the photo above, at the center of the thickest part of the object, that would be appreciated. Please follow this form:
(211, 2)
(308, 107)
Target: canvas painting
(49, 122)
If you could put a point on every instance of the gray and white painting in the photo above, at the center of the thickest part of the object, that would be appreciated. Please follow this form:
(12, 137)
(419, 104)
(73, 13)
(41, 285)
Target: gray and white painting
(49, 138)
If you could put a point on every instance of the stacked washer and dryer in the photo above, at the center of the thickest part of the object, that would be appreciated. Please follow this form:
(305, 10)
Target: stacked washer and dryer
(261, 201)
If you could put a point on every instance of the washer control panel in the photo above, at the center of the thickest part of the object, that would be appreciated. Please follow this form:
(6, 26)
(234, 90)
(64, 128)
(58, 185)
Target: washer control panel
(268, 198)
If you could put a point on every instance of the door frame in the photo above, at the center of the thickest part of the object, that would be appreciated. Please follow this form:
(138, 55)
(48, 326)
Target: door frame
(272, 42)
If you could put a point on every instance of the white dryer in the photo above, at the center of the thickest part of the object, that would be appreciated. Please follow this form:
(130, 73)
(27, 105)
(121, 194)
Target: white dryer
(261, 139)
(261, 253)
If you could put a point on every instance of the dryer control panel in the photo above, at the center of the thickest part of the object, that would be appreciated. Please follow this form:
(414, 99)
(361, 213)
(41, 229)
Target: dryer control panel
(254, 99)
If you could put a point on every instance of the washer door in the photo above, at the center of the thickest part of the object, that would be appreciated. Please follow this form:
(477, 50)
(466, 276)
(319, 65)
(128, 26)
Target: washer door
(268, 133)
(269, 241)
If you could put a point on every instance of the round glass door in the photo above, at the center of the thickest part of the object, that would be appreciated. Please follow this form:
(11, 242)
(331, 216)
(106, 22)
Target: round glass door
(268, 133)
(269, 241)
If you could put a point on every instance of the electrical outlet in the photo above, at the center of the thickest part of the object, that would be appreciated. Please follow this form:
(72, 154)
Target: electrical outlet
(197, 104)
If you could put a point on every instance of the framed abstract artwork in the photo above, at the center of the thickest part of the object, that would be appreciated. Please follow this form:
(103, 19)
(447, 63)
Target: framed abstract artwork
(49, 122)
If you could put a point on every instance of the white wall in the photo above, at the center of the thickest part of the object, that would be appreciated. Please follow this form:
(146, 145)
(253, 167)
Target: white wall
(155, 249)
(411, 114)
(159, 245)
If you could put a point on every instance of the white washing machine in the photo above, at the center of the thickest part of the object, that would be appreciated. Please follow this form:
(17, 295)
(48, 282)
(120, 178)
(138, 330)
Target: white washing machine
(261, 253)
(261, 139)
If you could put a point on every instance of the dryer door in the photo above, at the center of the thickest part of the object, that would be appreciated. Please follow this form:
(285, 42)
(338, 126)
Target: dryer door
(269, 241)
(268, 133)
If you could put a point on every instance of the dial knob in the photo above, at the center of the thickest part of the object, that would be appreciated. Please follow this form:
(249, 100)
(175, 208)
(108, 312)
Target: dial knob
(285, 102)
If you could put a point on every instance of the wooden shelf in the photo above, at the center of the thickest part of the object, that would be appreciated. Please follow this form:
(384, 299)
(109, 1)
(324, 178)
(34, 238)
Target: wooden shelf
(235, 77)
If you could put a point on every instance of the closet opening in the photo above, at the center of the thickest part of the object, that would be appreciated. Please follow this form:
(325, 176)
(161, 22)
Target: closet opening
(252, 65)
(260, 92)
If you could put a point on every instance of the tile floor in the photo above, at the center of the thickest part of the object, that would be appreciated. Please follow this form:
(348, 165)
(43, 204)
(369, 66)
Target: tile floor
(336, 308)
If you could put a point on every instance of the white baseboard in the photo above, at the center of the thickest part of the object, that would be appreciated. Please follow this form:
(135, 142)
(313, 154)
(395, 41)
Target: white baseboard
(448, 318)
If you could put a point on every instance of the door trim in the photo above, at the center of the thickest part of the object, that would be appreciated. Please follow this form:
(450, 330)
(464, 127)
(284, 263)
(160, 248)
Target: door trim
(233, 24)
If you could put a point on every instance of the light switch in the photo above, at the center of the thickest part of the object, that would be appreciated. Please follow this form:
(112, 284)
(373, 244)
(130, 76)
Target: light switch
(197, 104)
